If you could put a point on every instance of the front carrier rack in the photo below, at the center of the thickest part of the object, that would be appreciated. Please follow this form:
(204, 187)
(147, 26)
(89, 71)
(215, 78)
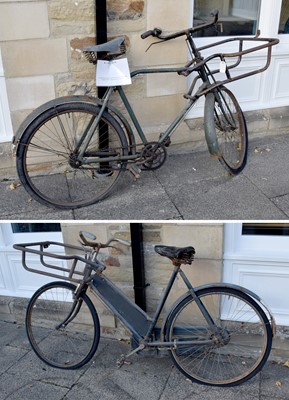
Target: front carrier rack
(73, 272)
(195, 64)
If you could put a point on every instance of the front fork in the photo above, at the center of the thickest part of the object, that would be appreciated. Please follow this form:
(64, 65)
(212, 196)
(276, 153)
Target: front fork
(77, 298)
(72, 314)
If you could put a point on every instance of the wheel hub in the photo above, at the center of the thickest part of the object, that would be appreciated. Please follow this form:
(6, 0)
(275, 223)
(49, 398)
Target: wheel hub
(73, 160)
(222, 338)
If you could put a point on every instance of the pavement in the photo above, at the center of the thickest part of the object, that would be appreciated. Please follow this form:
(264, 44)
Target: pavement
(189, 186)
(25, 377)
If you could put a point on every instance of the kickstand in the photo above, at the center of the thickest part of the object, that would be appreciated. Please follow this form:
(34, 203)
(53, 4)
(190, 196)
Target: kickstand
(123, 358)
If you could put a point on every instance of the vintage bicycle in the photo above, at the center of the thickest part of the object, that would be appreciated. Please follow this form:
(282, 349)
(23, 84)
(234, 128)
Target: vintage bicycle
(217, 334)
(72, 150)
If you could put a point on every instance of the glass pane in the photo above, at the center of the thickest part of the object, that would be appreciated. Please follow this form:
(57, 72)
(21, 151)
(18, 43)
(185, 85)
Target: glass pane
(236, 17)
(265, 229)
(284, 17)
(36, 227)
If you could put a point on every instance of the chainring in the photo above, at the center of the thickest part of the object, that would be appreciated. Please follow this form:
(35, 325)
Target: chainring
(153, 156)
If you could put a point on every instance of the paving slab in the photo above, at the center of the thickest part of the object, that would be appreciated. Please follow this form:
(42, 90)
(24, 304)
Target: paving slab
(190, 186)
(24, 377)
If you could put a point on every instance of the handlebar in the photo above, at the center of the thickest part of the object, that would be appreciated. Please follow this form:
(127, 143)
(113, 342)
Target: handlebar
(157, 32)
(95, 245)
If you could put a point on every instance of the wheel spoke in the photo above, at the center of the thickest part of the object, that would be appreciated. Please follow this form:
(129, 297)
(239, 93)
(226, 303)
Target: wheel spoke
(49, 163)
(236, 350)
(62, 335)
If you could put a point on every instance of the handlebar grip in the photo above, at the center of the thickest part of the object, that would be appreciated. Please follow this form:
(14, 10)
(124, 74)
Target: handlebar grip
(146, 34)
(154, 32)
(84, 235)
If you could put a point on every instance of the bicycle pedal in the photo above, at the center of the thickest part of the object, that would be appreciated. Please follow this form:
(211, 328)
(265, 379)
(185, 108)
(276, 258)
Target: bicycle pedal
(134, 171)
(122, 361)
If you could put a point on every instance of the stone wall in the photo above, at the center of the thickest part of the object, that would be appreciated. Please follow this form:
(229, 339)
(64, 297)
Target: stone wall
(207, 267)
(41, 43)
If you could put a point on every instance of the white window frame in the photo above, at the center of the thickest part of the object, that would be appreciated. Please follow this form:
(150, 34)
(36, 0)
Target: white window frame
(6, 130)
(260, 247)
(260, 263)
(9, 237)
(14, 279)
(265, 87)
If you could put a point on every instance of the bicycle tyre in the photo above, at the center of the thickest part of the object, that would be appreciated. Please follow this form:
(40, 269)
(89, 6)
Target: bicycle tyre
(47, 162)
(59, 346)
(227, 362)
(225, 122)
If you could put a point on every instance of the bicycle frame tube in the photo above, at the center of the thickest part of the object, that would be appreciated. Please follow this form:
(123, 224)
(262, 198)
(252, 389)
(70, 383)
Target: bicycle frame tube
(203, 75)
(87, 136)
(191, 100)
(199, 303)
(133, 317)
(136, 320)
(174, 123)
(90, 130)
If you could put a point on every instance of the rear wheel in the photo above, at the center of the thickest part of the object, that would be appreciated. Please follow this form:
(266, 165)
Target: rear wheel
(48, 157)
(234, 351)
(225, 124)
(63, 332)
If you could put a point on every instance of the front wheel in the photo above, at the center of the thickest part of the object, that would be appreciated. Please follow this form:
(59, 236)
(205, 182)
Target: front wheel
(229, 351)
(63, 332)
(226, 128)
(56, 165)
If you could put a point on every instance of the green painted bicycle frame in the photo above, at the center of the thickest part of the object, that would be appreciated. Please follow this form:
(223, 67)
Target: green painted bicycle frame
(89, 132)
(199, 65)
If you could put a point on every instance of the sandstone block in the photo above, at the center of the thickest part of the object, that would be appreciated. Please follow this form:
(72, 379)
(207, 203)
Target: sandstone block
(29, 92)
(49, 56)
(20, 21)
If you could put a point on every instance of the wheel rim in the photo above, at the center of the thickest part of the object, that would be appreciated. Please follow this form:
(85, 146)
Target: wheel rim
(230, 131)
(50, 164)
(60, 346)
(234, 354)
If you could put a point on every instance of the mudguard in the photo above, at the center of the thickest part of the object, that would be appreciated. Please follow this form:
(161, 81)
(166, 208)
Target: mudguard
(209, 127)
(226, 286)
(69, 99)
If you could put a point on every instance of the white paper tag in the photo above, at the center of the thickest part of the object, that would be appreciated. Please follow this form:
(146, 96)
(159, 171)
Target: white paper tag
(223, 67)
(113, 73)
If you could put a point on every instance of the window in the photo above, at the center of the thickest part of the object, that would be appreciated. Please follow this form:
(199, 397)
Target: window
(265, 229)
(284, 17)
(11, 233)
(236, 17)
(35, 227)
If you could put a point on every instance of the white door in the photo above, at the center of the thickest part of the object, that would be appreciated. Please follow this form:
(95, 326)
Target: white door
(14, 279)
(256, 256)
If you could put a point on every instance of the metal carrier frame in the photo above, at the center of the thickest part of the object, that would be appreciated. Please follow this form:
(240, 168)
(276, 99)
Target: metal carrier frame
(69, 274)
